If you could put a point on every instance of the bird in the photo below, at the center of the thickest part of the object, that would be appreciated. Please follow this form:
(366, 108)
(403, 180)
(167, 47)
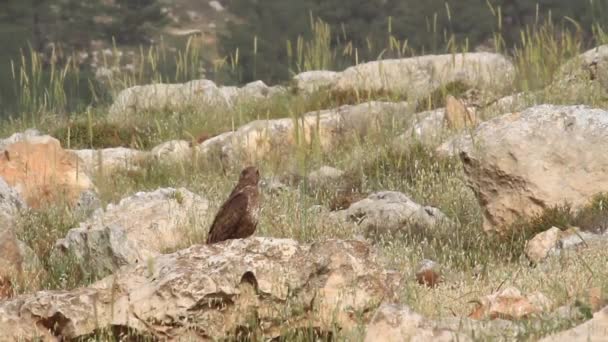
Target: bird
(238, 217)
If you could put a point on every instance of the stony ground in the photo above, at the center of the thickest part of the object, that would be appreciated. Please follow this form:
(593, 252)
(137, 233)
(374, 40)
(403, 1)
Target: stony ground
(401, 201)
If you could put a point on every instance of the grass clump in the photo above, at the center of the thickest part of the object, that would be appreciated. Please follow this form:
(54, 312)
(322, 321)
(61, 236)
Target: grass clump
(591, 217)
(40, 229)
(103, 134)
(436, 99)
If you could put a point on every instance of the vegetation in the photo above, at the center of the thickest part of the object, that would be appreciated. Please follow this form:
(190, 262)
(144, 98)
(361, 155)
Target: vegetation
(477, 263)
(367, 30)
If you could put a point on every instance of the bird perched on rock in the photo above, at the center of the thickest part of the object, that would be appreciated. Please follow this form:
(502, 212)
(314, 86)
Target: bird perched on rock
(238, 217)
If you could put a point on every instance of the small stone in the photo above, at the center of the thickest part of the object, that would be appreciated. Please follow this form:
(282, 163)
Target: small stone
(324, 176)
(457, 115)
(429, 273)
(538, 248)
(510, 304)
(395, 323)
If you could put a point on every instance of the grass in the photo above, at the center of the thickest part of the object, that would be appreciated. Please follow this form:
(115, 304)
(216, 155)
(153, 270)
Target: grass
(476, 264)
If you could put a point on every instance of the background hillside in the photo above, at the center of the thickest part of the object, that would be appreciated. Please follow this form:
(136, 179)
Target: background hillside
(239, 41)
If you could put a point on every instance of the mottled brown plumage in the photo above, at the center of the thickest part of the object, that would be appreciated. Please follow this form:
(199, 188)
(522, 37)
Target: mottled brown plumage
(238, 216)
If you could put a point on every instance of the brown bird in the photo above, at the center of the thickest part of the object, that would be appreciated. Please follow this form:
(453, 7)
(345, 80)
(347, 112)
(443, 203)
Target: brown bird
(238, 216)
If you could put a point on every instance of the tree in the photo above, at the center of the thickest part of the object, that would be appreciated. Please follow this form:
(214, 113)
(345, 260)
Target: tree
(427, 26)
(133, 20)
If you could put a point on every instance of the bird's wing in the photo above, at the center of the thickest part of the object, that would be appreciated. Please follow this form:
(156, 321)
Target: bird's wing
(228, 217)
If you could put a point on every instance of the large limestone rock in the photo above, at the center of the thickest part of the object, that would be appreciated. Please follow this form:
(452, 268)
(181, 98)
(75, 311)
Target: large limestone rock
(310, 81)
(108, 160)
(594, 330)
(11, 253)
(137, 228)
(586, 71)
(259, 139)
(395, 323)
(428, 128)
(20, 136)
(521, 163)
(10, 204)
(11, 260)
(42, 172)
(175, 97)
(432, 127)
(389, 212)
(458, 115)
(173, 151)
(261, 286)
(418, 76)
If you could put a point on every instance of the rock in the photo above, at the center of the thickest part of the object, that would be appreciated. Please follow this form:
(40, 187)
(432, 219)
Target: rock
(428, 273)
(175, 97)
(216, 5)
(318, 209)
(42, 172)
(87, 204)
(10, 204)
(553, 241)
(259, 286)
(27, 134)
(273, 185)
(30, 261)
(510, 104)
(511, 304)
(428, 128)
(458, 116)
(520, 164)
(173, 151)
(586, 71)
(394, 323)
(418, 76)
(164, 97)
(11, 260)
(109, 160)
(594, 330)
(134, 230)
(310, 81)
(538, 248)
(12, 251)
(389, 212)
(328, 128)
(596, 298)
(431, 128)
(574, 238)
(324, 176)
(6, 288)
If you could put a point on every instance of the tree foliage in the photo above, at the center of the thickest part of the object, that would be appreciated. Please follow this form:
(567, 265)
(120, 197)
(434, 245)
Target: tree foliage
(75, 23)
(428, 26)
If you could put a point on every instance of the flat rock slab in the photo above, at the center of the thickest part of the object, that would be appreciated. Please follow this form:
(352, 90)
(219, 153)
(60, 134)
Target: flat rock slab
(207, 292)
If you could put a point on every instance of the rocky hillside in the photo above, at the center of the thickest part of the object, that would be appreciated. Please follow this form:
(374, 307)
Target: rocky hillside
(386, 216)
